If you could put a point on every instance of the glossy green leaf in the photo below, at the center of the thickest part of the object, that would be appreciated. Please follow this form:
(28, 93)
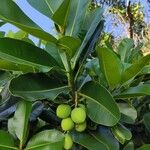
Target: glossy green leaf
(21, 119)
(140, 90)
(146, 120)
(110, 65)
(46, 7)
(87, 20)
(46, 140)
(124, 48)
(144, 147)
(121, 133)
(53, 50)
(37, 86)
(96, 20)
(104, 134)
(89, 141)
(61, 15)
(2, 23)
(2, 34)
(145, 70)
(129, 146)
(128, 113)
(9, 66)
(100, 103)
(20, 20)
(4, 77)
(6, 141)
(133, 70)
(21, 52)
(76, 16)
(69, 44)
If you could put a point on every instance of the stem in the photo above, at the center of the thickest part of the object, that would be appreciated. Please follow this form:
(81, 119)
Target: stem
(131, 21)
(70, 76)
(71, 83)
(20, 146)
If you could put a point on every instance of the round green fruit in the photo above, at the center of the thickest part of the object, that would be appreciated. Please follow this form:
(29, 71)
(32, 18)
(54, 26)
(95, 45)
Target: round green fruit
(78, 115)
(68, 142)
(80, 127)
(67, 124)
(63, 111)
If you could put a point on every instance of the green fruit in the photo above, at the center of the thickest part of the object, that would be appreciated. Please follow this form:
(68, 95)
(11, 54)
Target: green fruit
(67, 124)
(80, 127)
(63, 111)
(78, 115)
(68, 142)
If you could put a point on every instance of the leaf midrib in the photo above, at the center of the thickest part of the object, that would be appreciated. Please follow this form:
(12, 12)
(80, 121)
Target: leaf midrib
(50, 8)
(46, 144)
(75, 18)
(99, 104)
(5, 146)
(50, 90)
(22, 60)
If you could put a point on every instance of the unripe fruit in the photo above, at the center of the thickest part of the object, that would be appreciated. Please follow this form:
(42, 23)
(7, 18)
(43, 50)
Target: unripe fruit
(63, 111)
(80, 127)
(67, 124)
(78, 115)
(68, 142)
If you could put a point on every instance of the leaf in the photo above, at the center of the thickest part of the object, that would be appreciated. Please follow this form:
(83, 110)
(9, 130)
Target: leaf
(89, 141)
(37, 109)
(121, 133)
(129, 146)
(89, 48)
(144, 147)
(146, 120)
(21, 119)
(9, 66)
(48, 139)
(46, 7)
(110, 65)
(37, 86)
(53, 50)
(145, 70)
(20, 20)
(129, 114)
(48, 115)
(104, 134)
(8, 108)
(133, 70)
(96, 20)
(4, 77)
(76, 14)
(2, 34)
(21, 52)
(2, 23)
(100, 103)
(60, 16)
(140, 90)
(69, 44)
(6, 142)
(124, 48)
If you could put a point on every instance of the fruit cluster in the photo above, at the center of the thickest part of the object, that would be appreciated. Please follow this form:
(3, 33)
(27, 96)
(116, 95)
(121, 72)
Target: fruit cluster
(71, 119)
